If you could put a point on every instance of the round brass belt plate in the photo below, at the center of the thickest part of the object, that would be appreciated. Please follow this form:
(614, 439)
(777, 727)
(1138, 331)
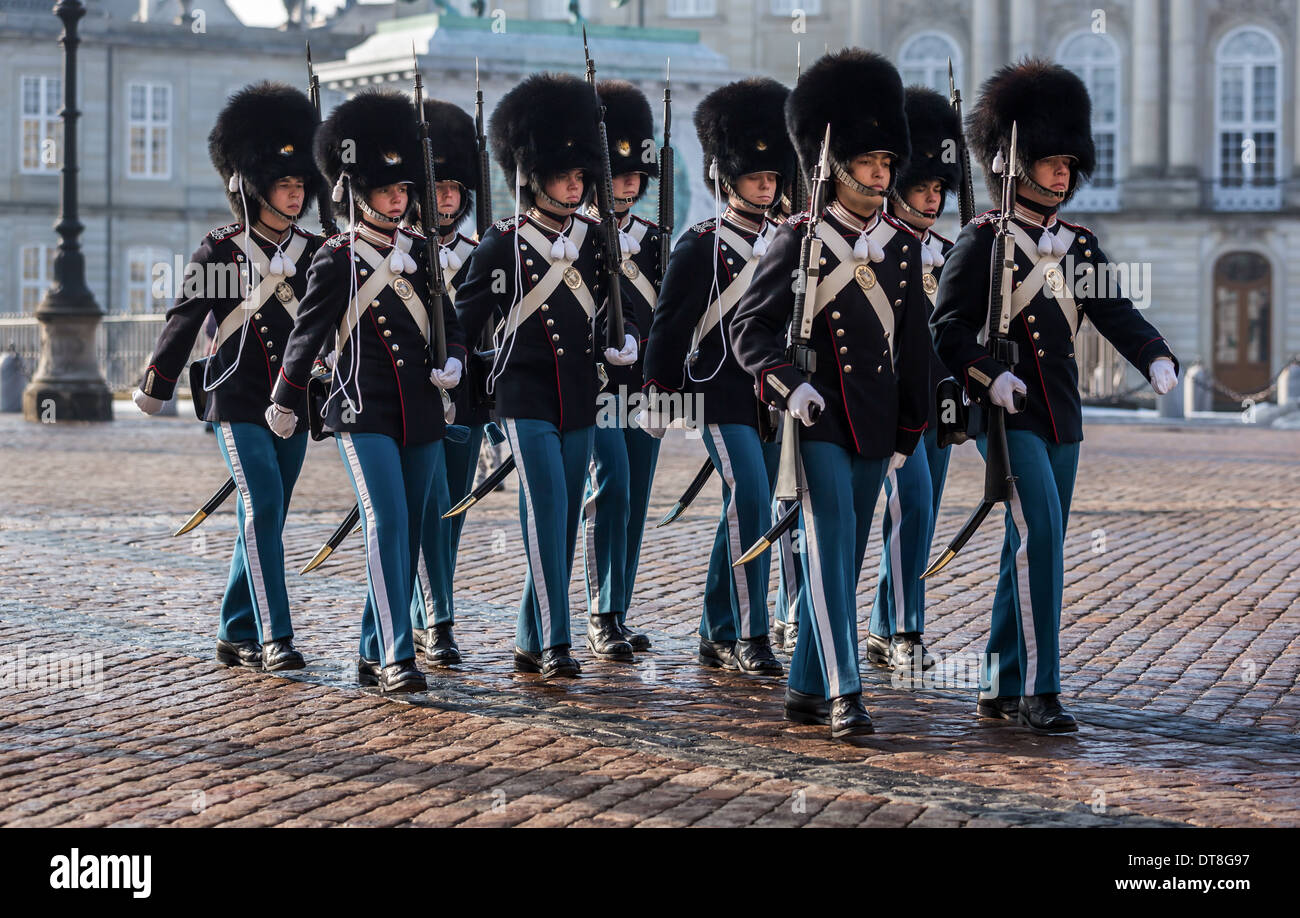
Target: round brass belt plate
(1055, 280)
(630, 269)
(403, 288)
(865, 277)
(929, 283)
(283, 291)
(572, 278)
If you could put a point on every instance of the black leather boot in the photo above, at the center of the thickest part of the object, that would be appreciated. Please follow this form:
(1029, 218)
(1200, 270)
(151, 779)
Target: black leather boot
(526, 661)
(556, 661)
(420, 637)
(247, 654)
(638, 640)
(877, 650)
(401, 677)
(903, 650)
(802, 708)
(754, 655)
(849, 717)
(1044, 714)
(1003, 707)
(718, 654)
(279, 654)
(605, 640)
(367, 672)
(442, 649)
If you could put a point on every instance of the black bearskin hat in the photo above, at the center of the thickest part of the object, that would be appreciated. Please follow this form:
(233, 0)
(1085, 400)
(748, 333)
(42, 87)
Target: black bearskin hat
(374, 140)
(934, 130)
(741, 127)
(860, 95)
(546, 125)
(630, 129)
(455, 148)
(262, 135)
(1053, 117)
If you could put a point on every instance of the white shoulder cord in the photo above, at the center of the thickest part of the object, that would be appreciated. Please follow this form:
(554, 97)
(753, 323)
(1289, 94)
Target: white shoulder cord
(715, 292)
(248, 308)
(499, 361)
(354, 308)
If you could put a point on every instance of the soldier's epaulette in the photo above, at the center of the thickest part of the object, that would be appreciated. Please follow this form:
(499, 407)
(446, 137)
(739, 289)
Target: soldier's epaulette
(470, 239)
(987, 217)
(509, 223)
(1077, 227)
(302, 232)
(898, 224)
(591, 221)
(704, 226)
(222, 232)
(334, 242)
(413, 233)
(798, 219)
(649, 223)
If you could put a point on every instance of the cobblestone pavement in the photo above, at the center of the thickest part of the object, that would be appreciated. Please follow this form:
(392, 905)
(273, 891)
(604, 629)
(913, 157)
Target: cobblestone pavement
(1179, 647)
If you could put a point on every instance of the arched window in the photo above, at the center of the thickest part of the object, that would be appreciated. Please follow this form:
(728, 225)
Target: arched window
(1095, 59)
(923, 60)
(1247, 120)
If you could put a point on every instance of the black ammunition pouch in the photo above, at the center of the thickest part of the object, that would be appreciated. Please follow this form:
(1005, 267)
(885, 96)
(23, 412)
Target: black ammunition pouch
(952, 410)
(197, 393)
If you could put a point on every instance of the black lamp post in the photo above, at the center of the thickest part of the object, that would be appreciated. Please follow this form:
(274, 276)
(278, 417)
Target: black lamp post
(68, 385)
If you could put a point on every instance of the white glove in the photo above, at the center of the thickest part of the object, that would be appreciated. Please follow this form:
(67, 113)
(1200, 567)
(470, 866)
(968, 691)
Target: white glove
(1003, 387)
(448, 377)
(331, 360)
(641, 421)
(896, 462)
(625, 357)
(282, 421)
(801, 400)
(147, 403)
(1163, 375)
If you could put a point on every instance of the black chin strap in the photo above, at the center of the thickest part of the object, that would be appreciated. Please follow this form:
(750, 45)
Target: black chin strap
(263, 202)
(1022, 175)
(541, 197)
(376, 216)
(854, 185)
(909, 210)
(749, 205)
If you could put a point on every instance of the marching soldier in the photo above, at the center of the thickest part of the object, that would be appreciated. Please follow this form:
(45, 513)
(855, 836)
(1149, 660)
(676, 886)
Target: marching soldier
(456, 158)
(624, 457)
(368, 287)
(866, 325)
(912, 492)
(747, 160)
(1060, 278)
(261, 147)
(538, 274)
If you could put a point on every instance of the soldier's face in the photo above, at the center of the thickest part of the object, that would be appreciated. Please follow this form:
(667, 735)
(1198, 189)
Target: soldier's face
(759, 187)
(287, 196)
(1052, 172)
(389, 200)
(565, 187)
(872, 169)
(924, 197)
(627, 185)
(448, 201)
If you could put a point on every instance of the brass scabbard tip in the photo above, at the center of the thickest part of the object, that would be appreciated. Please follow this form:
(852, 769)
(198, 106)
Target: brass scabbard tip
(461, 507)
(760, 546)
(325, 552)
(940, 564)
(671, 515)
(198, 517)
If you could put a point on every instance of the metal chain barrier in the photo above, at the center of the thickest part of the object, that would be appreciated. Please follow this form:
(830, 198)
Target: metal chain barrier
(1213, 385)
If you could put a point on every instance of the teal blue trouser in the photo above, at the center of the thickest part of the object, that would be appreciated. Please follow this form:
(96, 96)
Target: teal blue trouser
(440, 538)
(1023, 653)
(265, 469)
(552, 467)
(836, 522)
(735, 599)
(614, 509)
(392, 486)
(912, 496)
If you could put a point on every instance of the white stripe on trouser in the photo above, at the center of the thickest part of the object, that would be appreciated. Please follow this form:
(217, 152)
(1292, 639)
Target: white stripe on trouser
(1024, 597)
(589, 548)
(817, 593)
(734, 548)
(374, 564)
(424, 583)
(253, 560)
(896, 551)
(789, 562)
(534, 557)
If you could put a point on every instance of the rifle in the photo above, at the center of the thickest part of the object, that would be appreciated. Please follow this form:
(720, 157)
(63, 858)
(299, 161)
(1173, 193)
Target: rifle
(998, 480)
(608, 235)
(429, 227)
(966, 193)
(324, 205)
(790, 484)
(798, 203)
(666, 218)
(483, 201)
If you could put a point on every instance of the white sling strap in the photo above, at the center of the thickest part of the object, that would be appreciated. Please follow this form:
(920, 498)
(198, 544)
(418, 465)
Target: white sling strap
(638, 279)
(463, 249)
(555, 272)
(728, 299)
(1047, 271)
(845, 271)
(382, 276)
(267, 287)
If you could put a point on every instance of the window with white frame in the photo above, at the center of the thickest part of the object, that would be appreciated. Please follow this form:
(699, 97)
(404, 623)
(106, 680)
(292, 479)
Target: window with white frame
(923, 61)
(149, 126)
(140, 262)
(691, 9)
(1094, 58)
(40, 129)
(35, 271)
(1248, 120)
(787, 7)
